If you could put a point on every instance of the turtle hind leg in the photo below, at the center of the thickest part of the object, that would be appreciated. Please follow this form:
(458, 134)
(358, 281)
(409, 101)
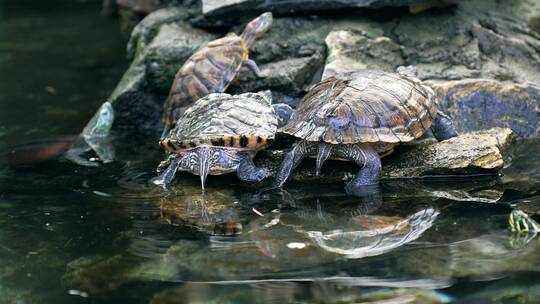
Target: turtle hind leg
(368, 158)
(252, 66)
(442, 127)
(291, 161)
(247, 171)
(167, 176)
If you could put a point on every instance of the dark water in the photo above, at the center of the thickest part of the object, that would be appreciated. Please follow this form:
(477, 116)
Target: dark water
(70, 234)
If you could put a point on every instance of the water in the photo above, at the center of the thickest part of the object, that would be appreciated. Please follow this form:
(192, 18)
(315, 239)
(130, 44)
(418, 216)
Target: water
(72, 234)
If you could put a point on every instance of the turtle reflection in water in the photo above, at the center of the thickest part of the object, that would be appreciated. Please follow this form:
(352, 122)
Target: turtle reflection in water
(524, 227)
(370, 235)
(213, 213)
(359, 116)
(211, 69)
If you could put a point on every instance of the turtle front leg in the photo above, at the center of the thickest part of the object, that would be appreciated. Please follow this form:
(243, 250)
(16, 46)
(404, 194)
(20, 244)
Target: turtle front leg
(365, 156)
(167, 176)
(252, 66)
(291, 161)
(247, 171)
(442, 127)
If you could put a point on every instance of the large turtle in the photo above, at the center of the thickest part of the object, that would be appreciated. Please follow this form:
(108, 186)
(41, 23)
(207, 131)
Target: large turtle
(212, 68)
(221, 133)
(359, 115)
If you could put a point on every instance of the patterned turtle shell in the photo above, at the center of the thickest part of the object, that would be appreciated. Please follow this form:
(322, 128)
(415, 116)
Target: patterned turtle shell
(209, 70)
(364, 107)
(212, 68)
(245, 122)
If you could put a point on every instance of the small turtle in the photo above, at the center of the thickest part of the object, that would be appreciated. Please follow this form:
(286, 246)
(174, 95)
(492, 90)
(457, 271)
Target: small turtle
(221, 133)
(212, 68)
(359, 115)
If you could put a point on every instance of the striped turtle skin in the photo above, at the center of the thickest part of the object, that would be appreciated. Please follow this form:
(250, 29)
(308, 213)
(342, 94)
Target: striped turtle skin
(211, 69)
(221, 133)
(364, 107)
(360, 116)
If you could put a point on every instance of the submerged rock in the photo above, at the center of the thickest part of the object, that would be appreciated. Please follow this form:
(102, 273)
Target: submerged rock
(473, 153)
(477, 104)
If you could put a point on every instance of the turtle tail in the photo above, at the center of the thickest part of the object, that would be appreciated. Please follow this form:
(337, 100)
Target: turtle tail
(205, 155)
(323, 152)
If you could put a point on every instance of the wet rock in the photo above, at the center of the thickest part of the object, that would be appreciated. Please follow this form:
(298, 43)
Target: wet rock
(473, 153)
(477, 104)
(469, 153)
(290, 292)
(96, 274)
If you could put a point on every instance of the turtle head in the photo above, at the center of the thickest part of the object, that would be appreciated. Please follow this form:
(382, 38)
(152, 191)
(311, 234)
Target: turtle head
(101, 122)
(204, 160)
(256, 28)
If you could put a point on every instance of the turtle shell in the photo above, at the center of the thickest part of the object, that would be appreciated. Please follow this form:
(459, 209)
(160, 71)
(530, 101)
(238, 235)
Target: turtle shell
(245, 121)
(209, 70)
(364, 107)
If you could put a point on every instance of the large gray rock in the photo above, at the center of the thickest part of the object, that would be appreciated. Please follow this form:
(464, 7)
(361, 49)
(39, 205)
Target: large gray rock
(474, 153)
(352, 50)
(467, 42)
(476, 104)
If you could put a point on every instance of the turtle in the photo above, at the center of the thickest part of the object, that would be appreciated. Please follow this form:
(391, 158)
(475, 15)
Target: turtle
(212, 68)
(358, 115)
(221, 133)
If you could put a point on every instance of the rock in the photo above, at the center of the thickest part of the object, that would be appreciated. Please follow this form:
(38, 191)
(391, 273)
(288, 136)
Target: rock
(288, 75)
(470, 41)
(475, 39)
(351, 50)
(476, 104)
(474, 153)
(140, 6)
(223, 8)
(469, 153)
(88, 273)
(159, 44)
